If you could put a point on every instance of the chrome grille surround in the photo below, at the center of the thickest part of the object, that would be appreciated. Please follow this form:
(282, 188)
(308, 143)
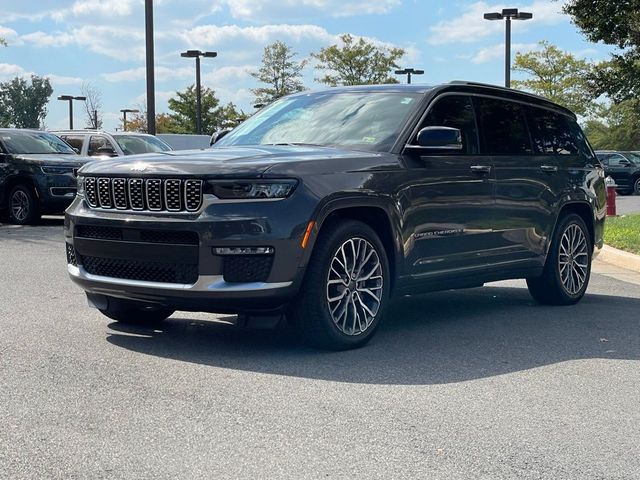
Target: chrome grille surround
(192, 195)
(152, 194)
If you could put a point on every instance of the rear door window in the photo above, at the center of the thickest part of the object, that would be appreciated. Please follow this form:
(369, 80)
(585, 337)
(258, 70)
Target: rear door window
(503, 127)
(554, 134)
(455, 111)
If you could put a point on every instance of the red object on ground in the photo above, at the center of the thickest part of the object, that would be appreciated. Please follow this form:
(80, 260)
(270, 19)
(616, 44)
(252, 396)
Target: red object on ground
(611, 197)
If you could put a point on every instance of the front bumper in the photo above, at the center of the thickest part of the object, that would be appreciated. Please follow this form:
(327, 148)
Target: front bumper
(216, 225)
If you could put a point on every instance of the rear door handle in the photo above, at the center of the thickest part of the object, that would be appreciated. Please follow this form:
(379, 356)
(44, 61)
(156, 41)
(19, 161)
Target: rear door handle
(481, 168)
(549, 168)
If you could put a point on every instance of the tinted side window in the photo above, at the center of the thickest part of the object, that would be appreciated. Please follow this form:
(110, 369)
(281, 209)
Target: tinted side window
(455, 111)
(97, 142)
(616, 160)
(503, 126)
(75, 141)
(554, 133)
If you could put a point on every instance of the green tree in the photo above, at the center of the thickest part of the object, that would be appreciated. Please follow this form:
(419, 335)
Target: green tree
(614, 23)
(279, 71)
(138, 122)
(184, 107)
(24, 104)
(616, 128)
(231, 116)
(556, 75)
(357, 63)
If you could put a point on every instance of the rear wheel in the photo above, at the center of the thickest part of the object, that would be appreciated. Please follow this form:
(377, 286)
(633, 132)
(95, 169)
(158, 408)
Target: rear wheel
(23, 205)
(636, 186)
(568, 267)
(134, 313)
(346, 287)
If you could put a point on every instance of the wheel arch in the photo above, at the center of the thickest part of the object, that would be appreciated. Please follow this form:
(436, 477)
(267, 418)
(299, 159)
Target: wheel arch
(15, 180)
(373, 212)
(585, 211)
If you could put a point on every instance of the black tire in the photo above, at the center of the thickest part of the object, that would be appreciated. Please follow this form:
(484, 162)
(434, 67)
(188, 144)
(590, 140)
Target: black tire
(568, 287)
(636, 186)
(310, 313)
(133, 313)
(23, 206)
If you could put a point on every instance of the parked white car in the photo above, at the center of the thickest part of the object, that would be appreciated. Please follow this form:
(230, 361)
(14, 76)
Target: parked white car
(95, 143)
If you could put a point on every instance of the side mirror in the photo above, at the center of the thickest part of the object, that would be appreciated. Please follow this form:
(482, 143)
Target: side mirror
(440, 138)
(218, 135)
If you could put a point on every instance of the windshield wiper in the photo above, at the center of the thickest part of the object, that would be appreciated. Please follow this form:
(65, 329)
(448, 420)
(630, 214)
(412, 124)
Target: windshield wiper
(295, 144)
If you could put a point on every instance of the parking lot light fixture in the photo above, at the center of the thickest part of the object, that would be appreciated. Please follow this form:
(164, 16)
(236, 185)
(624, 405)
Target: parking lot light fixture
(70, 99)
(124, 116)
(507, 15)
(197, 54)
(408, 72)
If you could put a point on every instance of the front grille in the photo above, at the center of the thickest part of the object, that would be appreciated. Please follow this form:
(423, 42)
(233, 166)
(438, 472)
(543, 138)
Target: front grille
(162, 272)
(163, 236)
(153, 194)
(247, 268)
(136, 235)
(101, 233)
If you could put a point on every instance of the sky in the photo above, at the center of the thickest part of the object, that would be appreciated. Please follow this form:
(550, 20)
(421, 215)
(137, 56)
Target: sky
(102, 42)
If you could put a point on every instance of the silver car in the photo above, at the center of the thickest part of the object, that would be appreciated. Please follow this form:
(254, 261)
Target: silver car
(94, 143)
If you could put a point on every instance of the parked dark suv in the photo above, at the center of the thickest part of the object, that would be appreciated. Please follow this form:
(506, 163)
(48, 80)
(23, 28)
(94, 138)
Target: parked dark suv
(322, 205)
(624, 168)
(36, 174)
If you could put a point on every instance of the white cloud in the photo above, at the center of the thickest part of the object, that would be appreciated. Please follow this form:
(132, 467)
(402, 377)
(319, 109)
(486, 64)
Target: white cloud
(116, 42)
(9, 70)
(471, 25)
(137, 74)
(107, 8)
(279, 9)
(497, 51)
(9, 34)
(63, 80)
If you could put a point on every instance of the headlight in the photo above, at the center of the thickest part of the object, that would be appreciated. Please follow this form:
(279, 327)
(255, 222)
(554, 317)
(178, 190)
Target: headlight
(56, 169)
(249, 189)
(80, 191)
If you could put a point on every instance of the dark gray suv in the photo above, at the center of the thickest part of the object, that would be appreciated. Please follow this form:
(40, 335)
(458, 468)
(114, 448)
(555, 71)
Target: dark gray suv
(321, 206)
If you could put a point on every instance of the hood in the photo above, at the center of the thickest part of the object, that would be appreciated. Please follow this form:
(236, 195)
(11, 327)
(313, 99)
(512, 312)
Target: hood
(53, 159)
(250, 161)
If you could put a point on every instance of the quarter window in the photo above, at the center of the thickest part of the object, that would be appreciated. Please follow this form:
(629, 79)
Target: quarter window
(455, 111)
(504, 129)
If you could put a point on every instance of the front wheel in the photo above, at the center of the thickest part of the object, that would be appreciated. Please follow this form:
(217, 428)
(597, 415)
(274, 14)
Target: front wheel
(636, 186)
(346, 287)
(568, 267)
(133, 313)
(23, 205)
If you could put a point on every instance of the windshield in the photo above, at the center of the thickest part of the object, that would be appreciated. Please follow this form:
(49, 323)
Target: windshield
(134, 144)
(34, 142)
(359, 120)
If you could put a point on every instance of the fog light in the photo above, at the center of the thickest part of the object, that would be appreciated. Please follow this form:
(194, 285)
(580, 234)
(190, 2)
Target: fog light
(243, 250)
(71, 255)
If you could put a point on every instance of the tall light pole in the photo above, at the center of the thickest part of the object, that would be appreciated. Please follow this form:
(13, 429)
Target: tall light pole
(124, 116)
(508, 14)
(408, 72)
(70, 99)
(197, 54)
(151, 88)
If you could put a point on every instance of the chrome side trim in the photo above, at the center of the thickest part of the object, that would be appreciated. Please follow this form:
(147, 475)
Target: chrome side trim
(205, 283)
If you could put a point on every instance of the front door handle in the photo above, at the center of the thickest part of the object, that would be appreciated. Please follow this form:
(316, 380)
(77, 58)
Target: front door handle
(481, 168)
(549, 168)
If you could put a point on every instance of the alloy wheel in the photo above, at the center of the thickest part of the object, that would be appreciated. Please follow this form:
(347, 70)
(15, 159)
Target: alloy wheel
(354, 286)
(573, 259)
(20, 205)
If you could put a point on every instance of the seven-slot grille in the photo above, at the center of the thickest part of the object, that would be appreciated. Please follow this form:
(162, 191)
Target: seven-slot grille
(173, 195)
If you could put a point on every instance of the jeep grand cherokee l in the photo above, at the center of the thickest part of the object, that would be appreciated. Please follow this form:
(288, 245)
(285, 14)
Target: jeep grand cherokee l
(36, 174)
(324, 204)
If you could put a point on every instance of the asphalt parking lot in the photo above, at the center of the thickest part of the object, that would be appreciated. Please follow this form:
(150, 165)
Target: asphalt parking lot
(474, 384)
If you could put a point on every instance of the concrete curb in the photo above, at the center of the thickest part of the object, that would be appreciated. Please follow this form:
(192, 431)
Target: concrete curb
(620, 258)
